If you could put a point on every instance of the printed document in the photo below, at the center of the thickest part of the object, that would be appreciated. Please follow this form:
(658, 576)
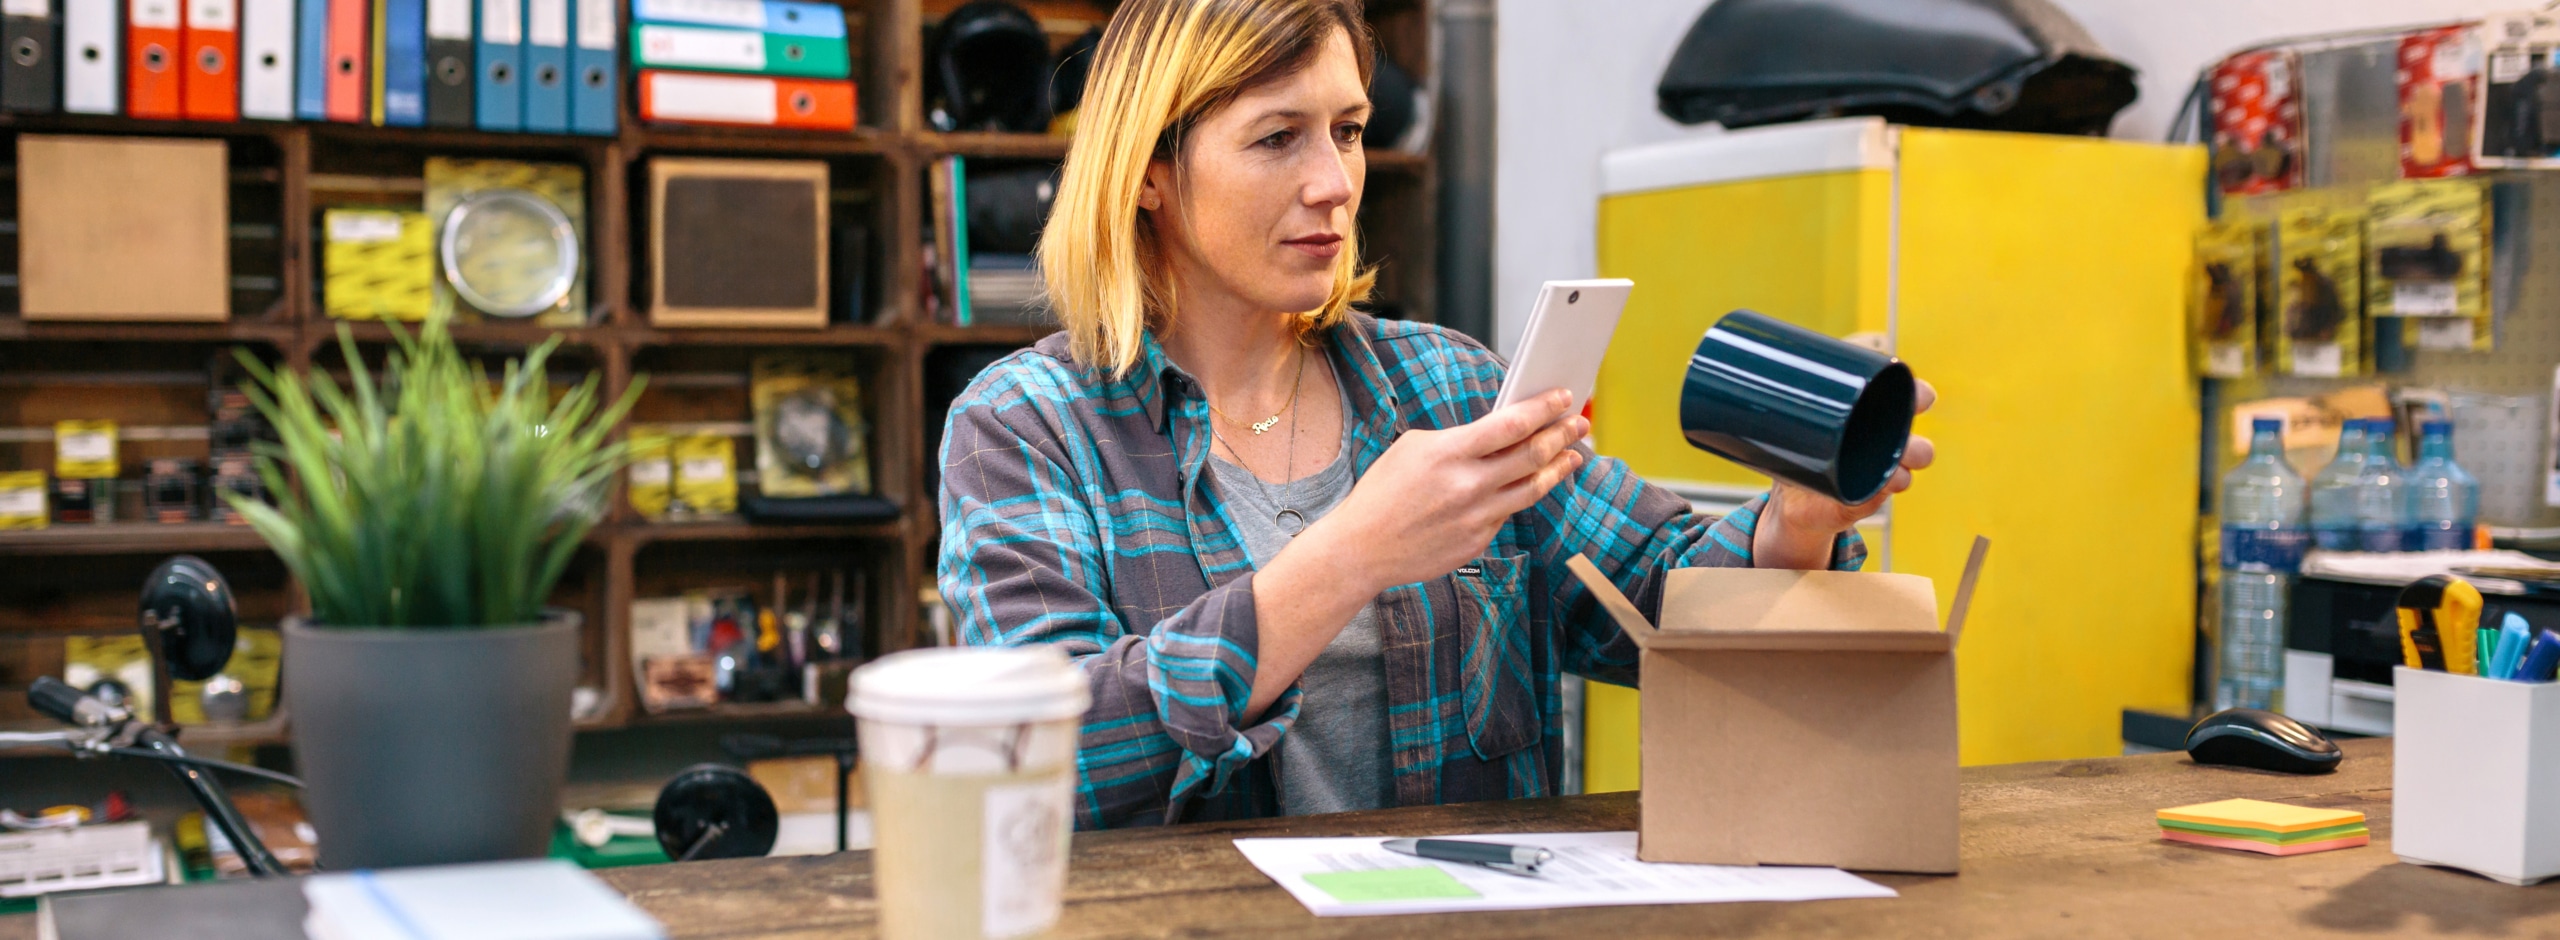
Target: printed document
(1347, 877)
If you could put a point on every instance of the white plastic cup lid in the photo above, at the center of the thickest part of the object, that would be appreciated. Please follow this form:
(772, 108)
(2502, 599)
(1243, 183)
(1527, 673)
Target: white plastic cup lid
(970, 685)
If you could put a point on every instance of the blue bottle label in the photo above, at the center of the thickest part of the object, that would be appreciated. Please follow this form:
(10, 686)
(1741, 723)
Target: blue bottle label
(2438, 538)
(2255, 549)
(2383, 539)
(2335, 539)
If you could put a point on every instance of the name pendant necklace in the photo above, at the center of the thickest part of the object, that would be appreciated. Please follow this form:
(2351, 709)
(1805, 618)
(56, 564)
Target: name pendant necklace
(1288, 518)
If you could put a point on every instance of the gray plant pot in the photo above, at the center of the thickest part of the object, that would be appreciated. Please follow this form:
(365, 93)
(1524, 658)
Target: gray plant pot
(428, 747)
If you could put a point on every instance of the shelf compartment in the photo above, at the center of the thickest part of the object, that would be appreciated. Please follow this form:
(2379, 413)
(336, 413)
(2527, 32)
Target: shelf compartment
(837, 335)
(988, 144)
(131, 538)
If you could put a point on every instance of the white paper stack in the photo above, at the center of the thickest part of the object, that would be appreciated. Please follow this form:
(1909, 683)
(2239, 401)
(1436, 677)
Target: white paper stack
(1590, 869)
(536, 900)
(82, 858)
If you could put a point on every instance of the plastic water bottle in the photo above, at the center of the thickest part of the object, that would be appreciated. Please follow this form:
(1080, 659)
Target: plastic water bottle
(2382, 497)
(2263, 537)
(2444, 499)
(2333, 492)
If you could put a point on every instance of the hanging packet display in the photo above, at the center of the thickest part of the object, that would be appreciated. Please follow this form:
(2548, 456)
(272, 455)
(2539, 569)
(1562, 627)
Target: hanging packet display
(2257, 123)
(2439, 98)
(2427, 248)
(2512, 131)
(706, 467)
(651, 483)
(2224, 299)
(2320, 292)
(811, 439)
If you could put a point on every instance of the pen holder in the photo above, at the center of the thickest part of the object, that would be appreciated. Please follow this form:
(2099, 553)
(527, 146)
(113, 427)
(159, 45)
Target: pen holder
(1797, 405)
(2475, 775)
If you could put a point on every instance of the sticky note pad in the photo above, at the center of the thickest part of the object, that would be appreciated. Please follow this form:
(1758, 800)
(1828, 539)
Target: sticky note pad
(2261, 815)
(1390, 884)
(2265, 848)
(2277, 838)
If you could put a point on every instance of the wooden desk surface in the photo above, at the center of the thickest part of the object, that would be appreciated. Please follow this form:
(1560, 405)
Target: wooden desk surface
(2052, 849)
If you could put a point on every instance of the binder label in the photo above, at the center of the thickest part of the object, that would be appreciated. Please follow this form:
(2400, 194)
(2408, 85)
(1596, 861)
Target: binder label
(35, 8)
(449, 19)
(705, 98)
(595, 24)
(743, 14)
(547, 22)
(501, 22)
(212, 14)
(155, 14)
(701, 48)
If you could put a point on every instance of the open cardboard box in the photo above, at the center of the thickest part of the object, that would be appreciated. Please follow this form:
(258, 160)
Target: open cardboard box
(1797, 717)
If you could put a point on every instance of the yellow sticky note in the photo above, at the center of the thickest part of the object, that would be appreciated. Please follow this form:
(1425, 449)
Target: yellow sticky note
(2259, 814)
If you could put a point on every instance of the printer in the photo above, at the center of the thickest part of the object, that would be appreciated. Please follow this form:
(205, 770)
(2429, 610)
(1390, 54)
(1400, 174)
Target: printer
(2342, 626)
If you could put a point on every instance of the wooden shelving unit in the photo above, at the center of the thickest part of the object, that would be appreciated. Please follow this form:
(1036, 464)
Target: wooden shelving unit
(80, 579)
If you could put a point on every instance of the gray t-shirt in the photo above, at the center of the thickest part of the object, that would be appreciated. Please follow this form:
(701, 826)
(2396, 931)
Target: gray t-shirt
(1335, 758)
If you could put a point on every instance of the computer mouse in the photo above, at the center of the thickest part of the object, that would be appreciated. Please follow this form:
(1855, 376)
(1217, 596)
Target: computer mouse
(2251, 737)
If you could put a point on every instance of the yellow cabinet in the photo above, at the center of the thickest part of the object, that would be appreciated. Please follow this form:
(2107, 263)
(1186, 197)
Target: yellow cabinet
(2039, 283)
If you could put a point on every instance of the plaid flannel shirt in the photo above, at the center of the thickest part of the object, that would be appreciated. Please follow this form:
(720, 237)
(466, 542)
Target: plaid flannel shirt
(1074, 513)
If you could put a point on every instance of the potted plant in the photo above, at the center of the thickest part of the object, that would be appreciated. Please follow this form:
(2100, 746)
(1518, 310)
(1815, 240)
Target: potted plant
(428, 516)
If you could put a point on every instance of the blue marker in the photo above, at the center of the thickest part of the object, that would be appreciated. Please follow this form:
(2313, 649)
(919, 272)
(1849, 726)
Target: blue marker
(2543, 663)
(2513, 635)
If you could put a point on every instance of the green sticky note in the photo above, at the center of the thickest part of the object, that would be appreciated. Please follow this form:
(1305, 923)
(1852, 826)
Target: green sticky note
(1390, 884)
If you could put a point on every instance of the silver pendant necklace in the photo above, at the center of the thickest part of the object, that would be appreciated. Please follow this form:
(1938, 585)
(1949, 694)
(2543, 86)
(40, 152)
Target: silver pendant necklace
(1288, 518)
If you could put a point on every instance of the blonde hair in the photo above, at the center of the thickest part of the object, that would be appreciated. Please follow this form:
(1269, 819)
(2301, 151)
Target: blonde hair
(1162, 66)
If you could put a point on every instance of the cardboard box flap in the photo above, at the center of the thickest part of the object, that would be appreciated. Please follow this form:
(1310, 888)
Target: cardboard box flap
(1777, 608)
(1964, 588)
(1616, 603)
(1783, 609)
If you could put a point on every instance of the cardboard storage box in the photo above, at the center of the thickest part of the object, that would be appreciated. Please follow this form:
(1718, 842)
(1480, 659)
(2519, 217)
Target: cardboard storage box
(2475, 774)
(1797, 717)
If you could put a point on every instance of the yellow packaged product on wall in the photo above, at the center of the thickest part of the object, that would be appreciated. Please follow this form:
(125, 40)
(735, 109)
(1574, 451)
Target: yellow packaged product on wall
(2224, 299)
(377, 264)
(89, 660)
(85, 450)
(706, 473)
(811, 437)
(652, 479)
(2320, 293)
(520, 247)
(255, 663)
(2427, 246)
(22, 500)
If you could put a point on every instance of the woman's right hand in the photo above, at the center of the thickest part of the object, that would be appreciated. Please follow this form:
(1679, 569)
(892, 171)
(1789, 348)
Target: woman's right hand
(1434, 500)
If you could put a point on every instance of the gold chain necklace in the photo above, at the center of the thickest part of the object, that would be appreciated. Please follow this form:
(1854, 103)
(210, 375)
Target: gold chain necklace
(1273, 421)
(1286, 517)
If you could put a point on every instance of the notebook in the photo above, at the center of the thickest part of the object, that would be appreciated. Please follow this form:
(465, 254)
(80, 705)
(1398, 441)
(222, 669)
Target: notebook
(535, 900)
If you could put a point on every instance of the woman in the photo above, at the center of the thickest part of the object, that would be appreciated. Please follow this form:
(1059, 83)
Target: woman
(1306, 566)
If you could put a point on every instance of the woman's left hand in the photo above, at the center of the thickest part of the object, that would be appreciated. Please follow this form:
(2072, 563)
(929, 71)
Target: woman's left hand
(1798, 527)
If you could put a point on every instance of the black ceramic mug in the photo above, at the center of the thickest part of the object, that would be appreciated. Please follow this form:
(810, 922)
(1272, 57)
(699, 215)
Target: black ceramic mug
(1823, 414)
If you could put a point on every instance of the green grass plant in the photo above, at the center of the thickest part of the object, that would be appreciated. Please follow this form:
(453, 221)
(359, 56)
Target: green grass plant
(438, 496)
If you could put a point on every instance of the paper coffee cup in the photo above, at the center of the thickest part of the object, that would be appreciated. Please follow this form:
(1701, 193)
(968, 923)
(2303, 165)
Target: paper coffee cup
(969, 755)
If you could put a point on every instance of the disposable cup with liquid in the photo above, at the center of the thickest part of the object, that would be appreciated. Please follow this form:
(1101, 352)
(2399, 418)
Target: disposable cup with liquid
(969, 756)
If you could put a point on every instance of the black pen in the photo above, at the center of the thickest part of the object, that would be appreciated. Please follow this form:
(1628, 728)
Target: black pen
(1516, 859)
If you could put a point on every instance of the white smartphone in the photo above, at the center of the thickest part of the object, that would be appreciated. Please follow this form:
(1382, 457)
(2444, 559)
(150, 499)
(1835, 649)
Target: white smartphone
(1567, 336)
